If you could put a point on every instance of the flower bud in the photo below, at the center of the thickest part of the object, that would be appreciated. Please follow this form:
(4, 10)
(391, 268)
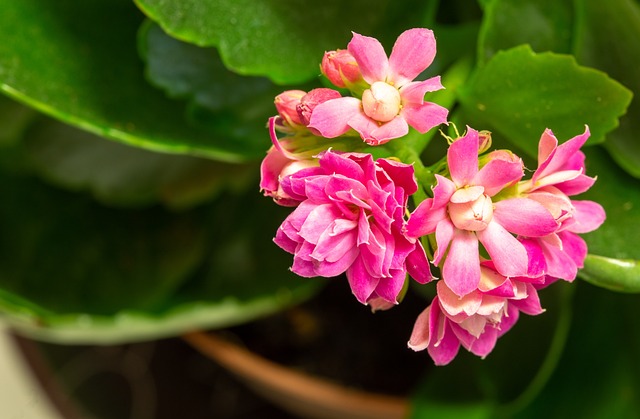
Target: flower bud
(286, 104)
(341, 68)
(484, 141)
(312, 99)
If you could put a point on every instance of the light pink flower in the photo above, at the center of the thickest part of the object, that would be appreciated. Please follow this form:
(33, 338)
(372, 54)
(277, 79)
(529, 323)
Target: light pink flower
(351, 220)
(475, 320)
(393, 101)
(560, 174)
(462, 214)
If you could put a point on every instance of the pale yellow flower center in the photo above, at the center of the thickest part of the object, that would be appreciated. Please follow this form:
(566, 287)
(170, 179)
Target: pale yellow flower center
(381, 102)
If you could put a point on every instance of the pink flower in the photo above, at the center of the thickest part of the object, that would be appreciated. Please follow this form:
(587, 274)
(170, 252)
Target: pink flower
(475, 320)
(393, 101)
(351, 220)
(560, 174)
(463, 214)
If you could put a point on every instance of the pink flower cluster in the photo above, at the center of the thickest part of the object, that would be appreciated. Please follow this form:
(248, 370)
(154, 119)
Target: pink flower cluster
(527, 228)
(495, 237)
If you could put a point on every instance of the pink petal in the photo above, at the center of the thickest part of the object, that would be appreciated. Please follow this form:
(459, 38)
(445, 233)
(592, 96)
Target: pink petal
(507, 253)
(362, 284)
(461, 271)
(389, 288)
(370, 56)
(525, 217)
(485, 343)
(574, 246)
(423, 330)
(444, 235)
(547, 145)
(557, 159)
(443, 191)
(330, 118)
(401, 174)
(373, 133)
(469, 194)
(454, 304)
(446, 349)
(418, 266)
(559, 263)
(413, 93)
(462, 158)
(424, 219)
(498, 174)
(342, 164)
(531, 304)
(589, 216)
(412, 53)
(425, 116)
(537, 264)
(577, 186)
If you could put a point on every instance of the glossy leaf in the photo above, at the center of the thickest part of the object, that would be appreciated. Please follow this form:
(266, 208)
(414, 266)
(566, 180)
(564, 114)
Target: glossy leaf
(78, 62)
(520, 93)
(608, 40)
(281, 39)
(119, 175)
(545, 25)
(614, 254)
(72, 271)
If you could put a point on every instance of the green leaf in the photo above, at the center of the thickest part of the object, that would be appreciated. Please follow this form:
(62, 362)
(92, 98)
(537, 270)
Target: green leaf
(281, 39)
(184, 70)
(613, 262)
(519, 93)
(608, 40)
(119, 175)
(78, 62)
(545, 25)
(72, 271)
(66, 254)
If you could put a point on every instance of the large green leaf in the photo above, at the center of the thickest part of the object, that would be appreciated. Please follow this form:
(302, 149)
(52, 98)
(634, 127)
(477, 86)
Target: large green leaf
(545, 25)
(78, 62)
(73, 271)
(281, 39)
(613, 262)
(519, 93)
(608, 40)
(119, 175)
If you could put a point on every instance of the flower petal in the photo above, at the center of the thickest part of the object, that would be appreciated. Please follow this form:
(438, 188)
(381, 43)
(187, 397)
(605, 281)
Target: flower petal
(370, 56)
(412, 53)
(462, 158)
(331, 117)
(424, 219)
(525, 217)
(375, 134)
(362, 284)
(418, 266)
(461, 271)
(507, 253)
(589, 216)
(498, 174)
(413, 93)
(425, 116)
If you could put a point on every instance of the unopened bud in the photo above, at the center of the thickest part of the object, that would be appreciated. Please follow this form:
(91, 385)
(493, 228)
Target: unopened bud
(381, 102)
(312, 99)
(286, 104)
(484, 141)
(341, 68)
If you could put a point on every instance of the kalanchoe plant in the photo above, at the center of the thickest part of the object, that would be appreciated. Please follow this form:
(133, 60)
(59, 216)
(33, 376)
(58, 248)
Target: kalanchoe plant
(495, 237)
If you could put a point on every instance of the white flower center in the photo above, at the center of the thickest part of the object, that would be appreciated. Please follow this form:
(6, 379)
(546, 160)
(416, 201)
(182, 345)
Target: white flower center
(381, 102)
(473, 215)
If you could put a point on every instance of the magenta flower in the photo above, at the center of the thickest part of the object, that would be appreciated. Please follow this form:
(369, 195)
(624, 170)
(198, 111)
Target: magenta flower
(475, 320)
(560, 174)
(351, 220)
(462, 214)
(393, 101)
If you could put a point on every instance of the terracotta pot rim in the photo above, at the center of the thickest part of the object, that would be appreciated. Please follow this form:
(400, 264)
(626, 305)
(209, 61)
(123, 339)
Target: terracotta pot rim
(295, 391)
